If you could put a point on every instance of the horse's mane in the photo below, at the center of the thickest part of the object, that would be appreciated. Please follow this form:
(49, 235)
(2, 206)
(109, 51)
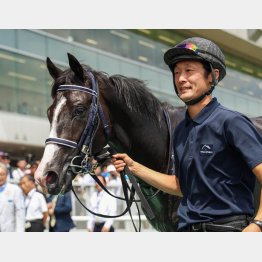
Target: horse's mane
(132, 92)
(137, 97)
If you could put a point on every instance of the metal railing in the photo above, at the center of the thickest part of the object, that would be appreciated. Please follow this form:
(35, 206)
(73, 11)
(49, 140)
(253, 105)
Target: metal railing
(123, 223)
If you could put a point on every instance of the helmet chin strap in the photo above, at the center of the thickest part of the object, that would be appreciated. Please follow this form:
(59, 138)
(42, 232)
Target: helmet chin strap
(198, 99)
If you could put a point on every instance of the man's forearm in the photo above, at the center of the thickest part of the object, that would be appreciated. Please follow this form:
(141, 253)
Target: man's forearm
(164, 182)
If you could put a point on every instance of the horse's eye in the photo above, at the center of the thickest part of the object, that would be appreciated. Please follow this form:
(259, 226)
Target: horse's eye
(79, 111)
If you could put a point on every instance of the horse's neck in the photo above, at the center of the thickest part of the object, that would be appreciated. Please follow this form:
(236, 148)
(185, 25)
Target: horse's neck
(144, 140)
(176, 115)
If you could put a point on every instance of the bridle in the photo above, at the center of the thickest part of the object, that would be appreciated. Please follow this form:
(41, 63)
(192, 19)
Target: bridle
(84, 146)
(85, 143)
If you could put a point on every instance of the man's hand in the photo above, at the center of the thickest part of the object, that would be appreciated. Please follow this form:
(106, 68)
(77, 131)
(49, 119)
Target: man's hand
(105, 229)
(122, 160)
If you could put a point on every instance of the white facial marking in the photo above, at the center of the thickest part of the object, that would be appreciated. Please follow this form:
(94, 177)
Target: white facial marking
(50, 149)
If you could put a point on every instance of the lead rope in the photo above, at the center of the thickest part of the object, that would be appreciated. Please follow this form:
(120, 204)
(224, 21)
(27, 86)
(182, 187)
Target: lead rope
(129, 202)
(144, 203)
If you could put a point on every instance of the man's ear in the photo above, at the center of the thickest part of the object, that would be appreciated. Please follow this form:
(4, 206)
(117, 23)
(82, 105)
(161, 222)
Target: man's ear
(216, 73)
(210, 77)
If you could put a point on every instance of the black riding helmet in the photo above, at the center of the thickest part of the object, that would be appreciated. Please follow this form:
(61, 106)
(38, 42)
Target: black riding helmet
(202, 50)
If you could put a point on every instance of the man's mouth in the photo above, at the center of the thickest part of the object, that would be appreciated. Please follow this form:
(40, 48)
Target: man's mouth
(183, 90)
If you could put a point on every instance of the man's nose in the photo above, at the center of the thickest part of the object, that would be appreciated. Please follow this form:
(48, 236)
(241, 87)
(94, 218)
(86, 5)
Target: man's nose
(181, 77)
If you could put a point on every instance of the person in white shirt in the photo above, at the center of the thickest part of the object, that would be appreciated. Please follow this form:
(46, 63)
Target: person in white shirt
(5, 159)
(12, 209)
(101, 203)
(113, 180)
(35, 205)
(20, 171)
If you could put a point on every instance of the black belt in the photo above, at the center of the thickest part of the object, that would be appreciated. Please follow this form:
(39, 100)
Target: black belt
(99, 223)
(40, 220)
(228, 224)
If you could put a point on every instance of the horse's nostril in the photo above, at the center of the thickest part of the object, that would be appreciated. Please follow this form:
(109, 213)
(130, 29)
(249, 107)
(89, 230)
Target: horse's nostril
(51, 178)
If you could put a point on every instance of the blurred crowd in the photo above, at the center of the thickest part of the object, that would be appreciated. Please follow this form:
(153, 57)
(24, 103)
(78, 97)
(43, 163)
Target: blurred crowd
(25, 208)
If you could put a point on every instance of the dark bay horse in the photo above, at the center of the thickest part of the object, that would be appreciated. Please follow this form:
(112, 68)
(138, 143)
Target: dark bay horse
(114, 109)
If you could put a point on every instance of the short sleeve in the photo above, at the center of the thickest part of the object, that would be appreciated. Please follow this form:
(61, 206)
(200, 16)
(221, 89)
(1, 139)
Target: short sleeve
(245, 139)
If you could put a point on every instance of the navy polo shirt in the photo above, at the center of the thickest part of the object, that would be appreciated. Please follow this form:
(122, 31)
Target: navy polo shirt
(214, 156)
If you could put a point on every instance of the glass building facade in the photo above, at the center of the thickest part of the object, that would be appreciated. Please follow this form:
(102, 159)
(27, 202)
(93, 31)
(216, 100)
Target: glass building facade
(25, 83)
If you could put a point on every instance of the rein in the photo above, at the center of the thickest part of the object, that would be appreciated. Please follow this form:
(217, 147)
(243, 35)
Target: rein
(171, 156)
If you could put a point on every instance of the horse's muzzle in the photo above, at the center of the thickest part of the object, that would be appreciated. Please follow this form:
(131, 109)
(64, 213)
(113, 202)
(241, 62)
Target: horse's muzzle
(55, 186)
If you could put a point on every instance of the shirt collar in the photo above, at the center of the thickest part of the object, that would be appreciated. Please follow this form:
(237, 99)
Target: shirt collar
(30, 194)
(204, 113)
(2, 188)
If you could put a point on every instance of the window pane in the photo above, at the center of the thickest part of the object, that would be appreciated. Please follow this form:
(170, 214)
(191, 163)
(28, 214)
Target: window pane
(7, 37)
(166, 83)
(31, 42)
(129, 69)
(85, 56)
(31, 103)
(108, 64)
(58, 50)
(151, 77)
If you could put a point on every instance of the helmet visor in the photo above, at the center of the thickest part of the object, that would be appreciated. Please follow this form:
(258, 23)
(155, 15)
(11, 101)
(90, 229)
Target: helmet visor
(181, 52)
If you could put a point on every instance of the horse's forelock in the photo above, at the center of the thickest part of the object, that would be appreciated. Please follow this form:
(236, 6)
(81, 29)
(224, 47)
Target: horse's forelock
(68, 77)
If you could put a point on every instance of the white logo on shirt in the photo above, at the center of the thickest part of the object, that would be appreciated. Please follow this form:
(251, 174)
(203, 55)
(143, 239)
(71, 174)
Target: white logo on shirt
(206, 149)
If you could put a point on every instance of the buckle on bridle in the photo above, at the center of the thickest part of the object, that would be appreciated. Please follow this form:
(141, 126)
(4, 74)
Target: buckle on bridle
(85, 149)
(85, 165)
(81, 165)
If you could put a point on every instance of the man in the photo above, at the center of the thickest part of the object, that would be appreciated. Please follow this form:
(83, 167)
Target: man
(101, 203)
(217, 151)
(20, 171)
(5, 159)
(7, 162)
(59, 209)
(12, 210)
(35, 205)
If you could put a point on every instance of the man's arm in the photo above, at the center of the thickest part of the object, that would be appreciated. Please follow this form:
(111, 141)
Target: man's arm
(164, 182)
(45, 217)
(253, 227)
(258, 173)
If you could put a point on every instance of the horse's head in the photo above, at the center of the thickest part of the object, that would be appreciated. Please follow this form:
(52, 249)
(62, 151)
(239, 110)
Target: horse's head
(79, 126)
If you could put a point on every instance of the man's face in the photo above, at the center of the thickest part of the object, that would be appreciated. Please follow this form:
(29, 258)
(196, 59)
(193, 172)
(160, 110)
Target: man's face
(3, 176)
(191, 80)
(26, 185)
(6, 160)
(21, 164)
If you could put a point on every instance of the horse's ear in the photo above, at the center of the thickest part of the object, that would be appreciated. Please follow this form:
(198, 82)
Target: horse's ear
(76, 66)
(54, 71)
